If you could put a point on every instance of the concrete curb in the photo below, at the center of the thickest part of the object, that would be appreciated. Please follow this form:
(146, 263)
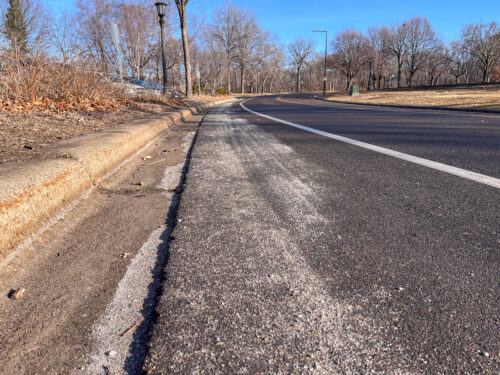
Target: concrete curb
(411, 106)
(34, 192)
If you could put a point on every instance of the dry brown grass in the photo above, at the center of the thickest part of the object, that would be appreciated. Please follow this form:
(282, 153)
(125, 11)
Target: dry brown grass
(38, 83)
(475, 98)
(154, 98)
(30, 131)
(42, 102)
(209, 99)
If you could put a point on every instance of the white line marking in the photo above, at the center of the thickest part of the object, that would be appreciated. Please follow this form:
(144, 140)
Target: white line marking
(132, 301)
(130, 304)
(473, 176)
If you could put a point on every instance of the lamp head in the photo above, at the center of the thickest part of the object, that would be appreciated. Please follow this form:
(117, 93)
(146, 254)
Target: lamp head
(160, 8)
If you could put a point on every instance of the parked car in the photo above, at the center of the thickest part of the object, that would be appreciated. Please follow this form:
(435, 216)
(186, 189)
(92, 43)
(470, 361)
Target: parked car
(134, 86)
(172, 92)
(141, 83)
(156, 86)
(127, 86)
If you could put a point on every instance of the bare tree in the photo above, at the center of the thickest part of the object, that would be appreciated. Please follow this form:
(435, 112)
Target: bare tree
(272, 61)
(437, 65)
(181, 8)
(174, 56)
(63, 37)
(378, 52)
(483, 43)
(226, 30)
(396, 42)
(351, 49)
(235, 53)
(139, 32)
(459, 60)
(421, 43)
(94, 30)
(249, 40)
(213, 58)
(300, 50)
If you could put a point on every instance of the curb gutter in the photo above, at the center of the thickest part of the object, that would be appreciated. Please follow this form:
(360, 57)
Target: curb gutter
(36, 191)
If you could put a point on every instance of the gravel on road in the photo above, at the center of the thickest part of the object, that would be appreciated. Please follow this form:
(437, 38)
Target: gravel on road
(298, 254)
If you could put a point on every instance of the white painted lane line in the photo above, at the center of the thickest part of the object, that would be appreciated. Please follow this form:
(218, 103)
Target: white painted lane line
(473, 176)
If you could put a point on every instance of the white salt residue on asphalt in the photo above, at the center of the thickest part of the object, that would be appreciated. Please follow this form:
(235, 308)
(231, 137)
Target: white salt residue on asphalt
(120, 333)
(335, 320)
(252, 290)
(113, 347)
(187, 141)
(172, 174)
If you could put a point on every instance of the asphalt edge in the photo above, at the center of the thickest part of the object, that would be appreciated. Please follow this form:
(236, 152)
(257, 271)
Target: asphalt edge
(438, 108)
(32, 194)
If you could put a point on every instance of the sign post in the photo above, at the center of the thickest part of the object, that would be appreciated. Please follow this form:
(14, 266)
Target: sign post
(116, 40)
(198, 75)
(326, 54)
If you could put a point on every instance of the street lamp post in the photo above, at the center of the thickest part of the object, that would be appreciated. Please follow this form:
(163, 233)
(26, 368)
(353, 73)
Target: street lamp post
(326, 52)
(160, 8)
(370, 60)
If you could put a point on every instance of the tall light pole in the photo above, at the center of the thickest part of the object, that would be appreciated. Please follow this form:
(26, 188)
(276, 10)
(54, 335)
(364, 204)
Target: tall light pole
(370, 60)
(160, 8)
(326, 52)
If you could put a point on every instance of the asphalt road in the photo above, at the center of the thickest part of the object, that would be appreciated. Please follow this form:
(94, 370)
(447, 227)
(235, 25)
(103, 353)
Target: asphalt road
(298, 253)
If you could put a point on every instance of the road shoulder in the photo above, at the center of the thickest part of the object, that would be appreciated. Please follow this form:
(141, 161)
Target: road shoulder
(71, 272)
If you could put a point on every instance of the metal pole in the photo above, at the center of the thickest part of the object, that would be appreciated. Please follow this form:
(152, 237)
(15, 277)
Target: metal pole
(326, 49)
(163, 57)
(326, 53)
(369, 75)
(199, 78)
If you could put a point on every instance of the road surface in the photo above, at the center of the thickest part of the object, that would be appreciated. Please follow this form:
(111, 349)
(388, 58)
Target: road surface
(316, 237)
(297, 236)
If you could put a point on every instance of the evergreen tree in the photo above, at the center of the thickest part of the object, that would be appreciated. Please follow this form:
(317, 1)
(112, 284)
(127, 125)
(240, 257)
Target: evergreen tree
(16, 28)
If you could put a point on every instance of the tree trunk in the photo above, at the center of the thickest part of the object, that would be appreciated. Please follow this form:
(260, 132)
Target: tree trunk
(400, 64)
(271, 85)
(437, 78)
(263, 87)
(298, 80)
(242, 79)
(104, 65)
(228, 73)
(181, 7)
(485, 72)
(347, 83)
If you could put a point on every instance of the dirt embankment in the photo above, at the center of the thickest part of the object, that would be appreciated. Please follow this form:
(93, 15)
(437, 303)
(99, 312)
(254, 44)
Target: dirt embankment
(476, 98)
(30, 132)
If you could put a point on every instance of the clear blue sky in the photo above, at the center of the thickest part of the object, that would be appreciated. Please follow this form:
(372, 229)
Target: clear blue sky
(289, 19)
